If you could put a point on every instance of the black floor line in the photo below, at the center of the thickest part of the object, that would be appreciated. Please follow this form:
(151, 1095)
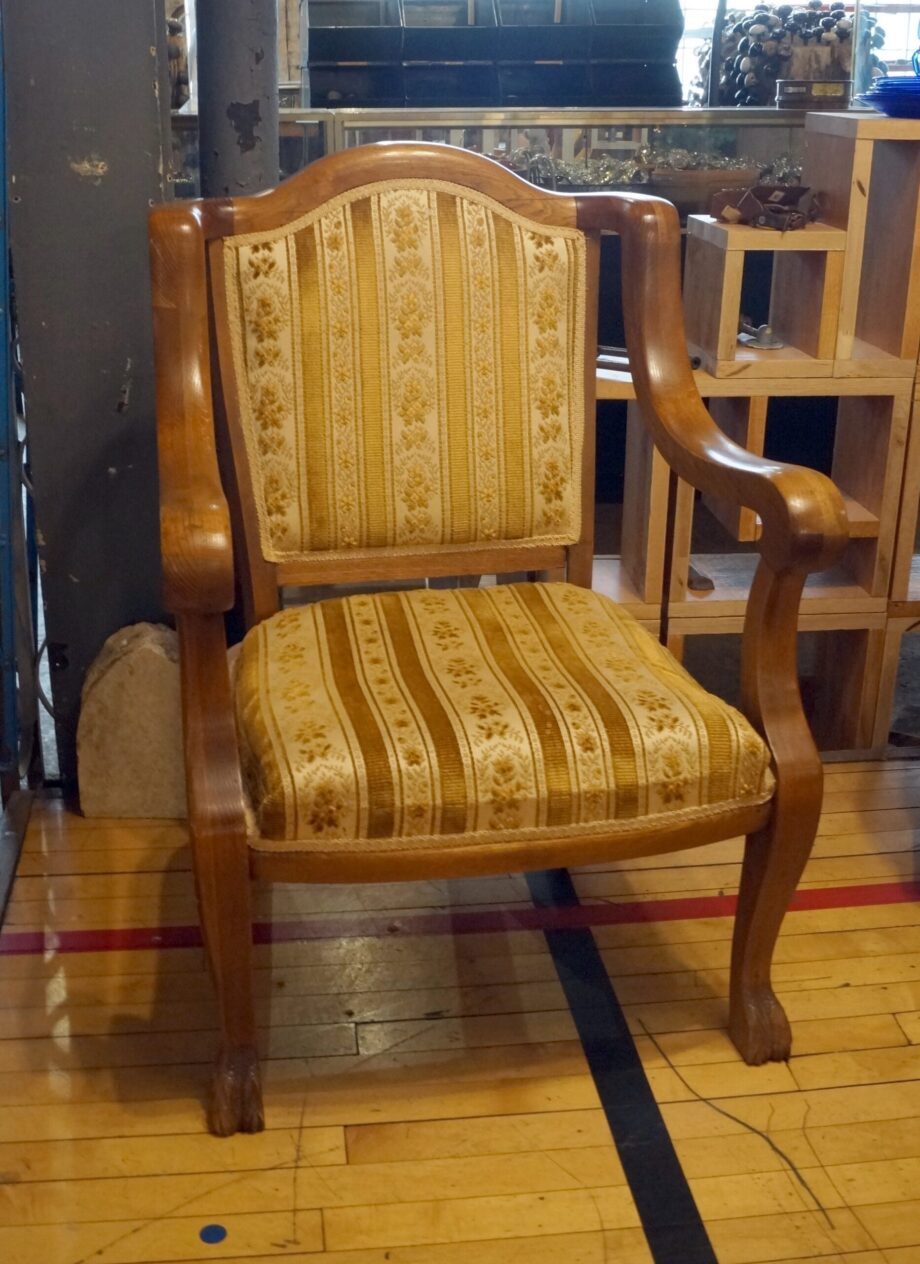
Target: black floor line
(670, 1217)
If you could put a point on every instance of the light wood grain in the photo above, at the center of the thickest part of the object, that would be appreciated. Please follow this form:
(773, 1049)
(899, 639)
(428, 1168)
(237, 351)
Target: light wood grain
(829, 593)
(902, 570)
(470, 1124)
(814, 236)
(166, 1238)
(863, 125)
(744, 420)
(712, 306)
(888, 314)
(805, 301)
(758, 364)
(869, 453)
(645, 505)
(893, 1224)
(619, 384)
(840, 166)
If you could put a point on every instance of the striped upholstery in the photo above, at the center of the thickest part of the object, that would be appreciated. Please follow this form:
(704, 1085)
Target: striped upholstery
(409, 363)
(471, 715)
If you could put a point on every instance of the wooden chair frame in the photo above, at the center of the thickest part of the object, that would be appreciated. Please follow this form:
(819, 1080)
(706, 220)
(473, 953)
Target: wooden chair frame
(804, 530)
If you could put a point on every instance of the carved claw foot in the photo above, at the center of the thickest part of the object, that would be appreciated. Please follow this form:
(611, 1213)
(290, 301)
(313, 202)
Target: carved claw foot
(759, 1027)
(236, 1094)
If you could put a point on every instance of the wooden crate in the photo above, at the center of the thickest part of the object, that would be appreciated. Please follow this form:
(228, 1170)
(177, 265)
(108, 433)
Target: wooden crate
(804, 298)
(866, 169)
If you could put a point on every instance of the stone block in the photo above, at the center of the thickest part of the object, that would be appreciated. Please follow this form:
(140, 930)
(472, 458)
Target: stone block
(129, 738)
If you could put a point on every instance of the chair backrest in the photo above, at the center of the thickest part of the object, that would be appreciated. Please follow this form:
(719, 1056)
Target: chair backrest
(407, 344)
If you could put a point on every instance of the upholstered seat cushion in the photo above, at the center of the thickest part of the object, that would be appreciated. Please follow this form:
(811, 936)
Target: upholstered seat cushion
(478, 715)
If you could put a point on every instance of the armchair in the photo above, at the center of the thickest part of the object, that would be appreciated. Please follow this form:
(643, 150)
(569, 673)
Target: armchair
(384, 369)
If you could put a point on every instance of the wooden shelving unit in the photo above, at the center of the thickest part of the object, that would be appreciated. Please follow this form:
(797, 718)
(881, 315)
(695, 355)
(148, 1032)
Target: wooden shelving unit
(845, 297)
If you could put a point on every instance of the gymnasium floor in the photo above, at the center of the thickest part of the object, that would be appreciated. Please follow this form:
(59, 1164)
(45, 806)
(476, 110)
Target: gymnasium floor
(428, 1098)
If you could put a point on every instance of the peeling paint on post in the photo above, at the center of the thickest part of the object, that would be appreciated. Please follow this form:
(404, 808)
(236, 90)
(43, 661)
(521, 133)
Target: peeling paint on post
(237, 96)
(245, 119)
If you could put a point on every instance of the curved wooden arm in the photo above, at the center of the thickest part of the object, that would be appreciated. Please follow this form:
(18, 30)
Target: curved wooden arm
(803, 515)
(195, 535)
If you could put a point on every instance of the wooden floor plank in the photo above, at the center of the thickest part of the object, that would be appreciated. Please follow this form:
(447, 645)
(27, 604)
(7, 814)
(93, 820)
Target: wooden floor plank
(756, 1240)
(838, 1144)
(878, 1031)
(893, 1224)
(853, 1103)
(831, 1070)
(389, 1071)
(625, 1246)
(862, 777)
(910, 1025)
(878, 1181)
(287, 1011)
(806, 1006)
(341, 1103)
(124, 1157)
(291, 1184)
(471, 1219)
(162, 1238)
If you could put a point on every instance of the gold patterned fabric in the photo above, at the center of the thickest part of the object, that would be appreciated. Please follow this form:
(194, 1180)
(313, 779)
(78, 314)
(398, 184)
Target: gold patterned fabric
(472, 715)
(409, 362)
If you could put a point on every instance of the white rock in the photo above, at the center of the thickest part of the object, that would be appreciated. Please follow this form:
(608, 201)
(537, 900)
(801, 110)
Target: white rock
(129, 738)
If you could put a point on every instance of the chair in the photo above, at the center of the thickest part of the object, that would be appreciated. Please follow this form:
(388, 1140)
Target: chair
(384, 370)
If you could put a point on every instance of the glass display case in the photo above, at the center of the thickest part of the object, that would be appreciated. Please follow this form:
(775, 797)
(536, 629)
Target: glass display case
(773, 53)
(890, 35)
(684, 154)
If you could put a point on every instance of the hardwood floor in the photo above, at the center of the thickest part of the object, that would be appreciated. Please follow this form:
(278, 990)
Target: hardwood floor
(428, 1100)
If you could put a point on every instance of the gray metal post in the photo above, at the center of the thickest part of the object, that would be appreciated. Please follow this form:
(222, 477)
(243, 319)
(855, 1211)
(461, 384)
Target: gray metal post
(304, 53)
(10, 498)
(237, 96)
(88, 155)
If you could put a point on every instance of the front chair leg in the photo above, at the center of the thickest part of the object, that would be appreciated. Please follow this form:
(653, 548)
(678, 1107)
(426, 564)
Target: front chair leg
(224, 904)
(774, 858)
(220, 859)
(236, 1091)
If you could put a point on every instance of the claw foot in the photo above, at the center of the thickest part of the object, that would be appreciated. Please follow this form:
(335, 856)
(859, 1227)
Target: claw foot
(759, 1027)
(236, 1094)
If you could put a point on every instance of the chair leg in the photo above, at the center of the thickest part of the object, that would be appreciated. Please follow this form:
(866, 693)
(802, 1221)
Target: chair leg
(220, 859)
(222, 879)
(774, 858)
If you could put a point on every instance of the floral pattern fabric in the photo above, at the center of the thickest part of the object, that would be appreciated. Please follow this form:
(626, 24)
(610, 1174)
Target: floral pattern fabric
(466, 715)
(409, 363)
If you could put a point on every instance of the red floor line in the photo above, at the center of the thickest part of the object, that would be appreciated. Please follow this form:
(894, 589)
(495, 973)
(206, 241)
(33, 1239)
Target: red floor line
(472, 922)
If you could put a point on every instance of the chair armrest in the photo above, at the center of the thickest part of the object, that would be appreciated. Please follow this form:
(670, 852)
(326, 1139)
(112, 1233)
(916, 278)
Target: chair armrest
(803, 515)
(195, 534)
